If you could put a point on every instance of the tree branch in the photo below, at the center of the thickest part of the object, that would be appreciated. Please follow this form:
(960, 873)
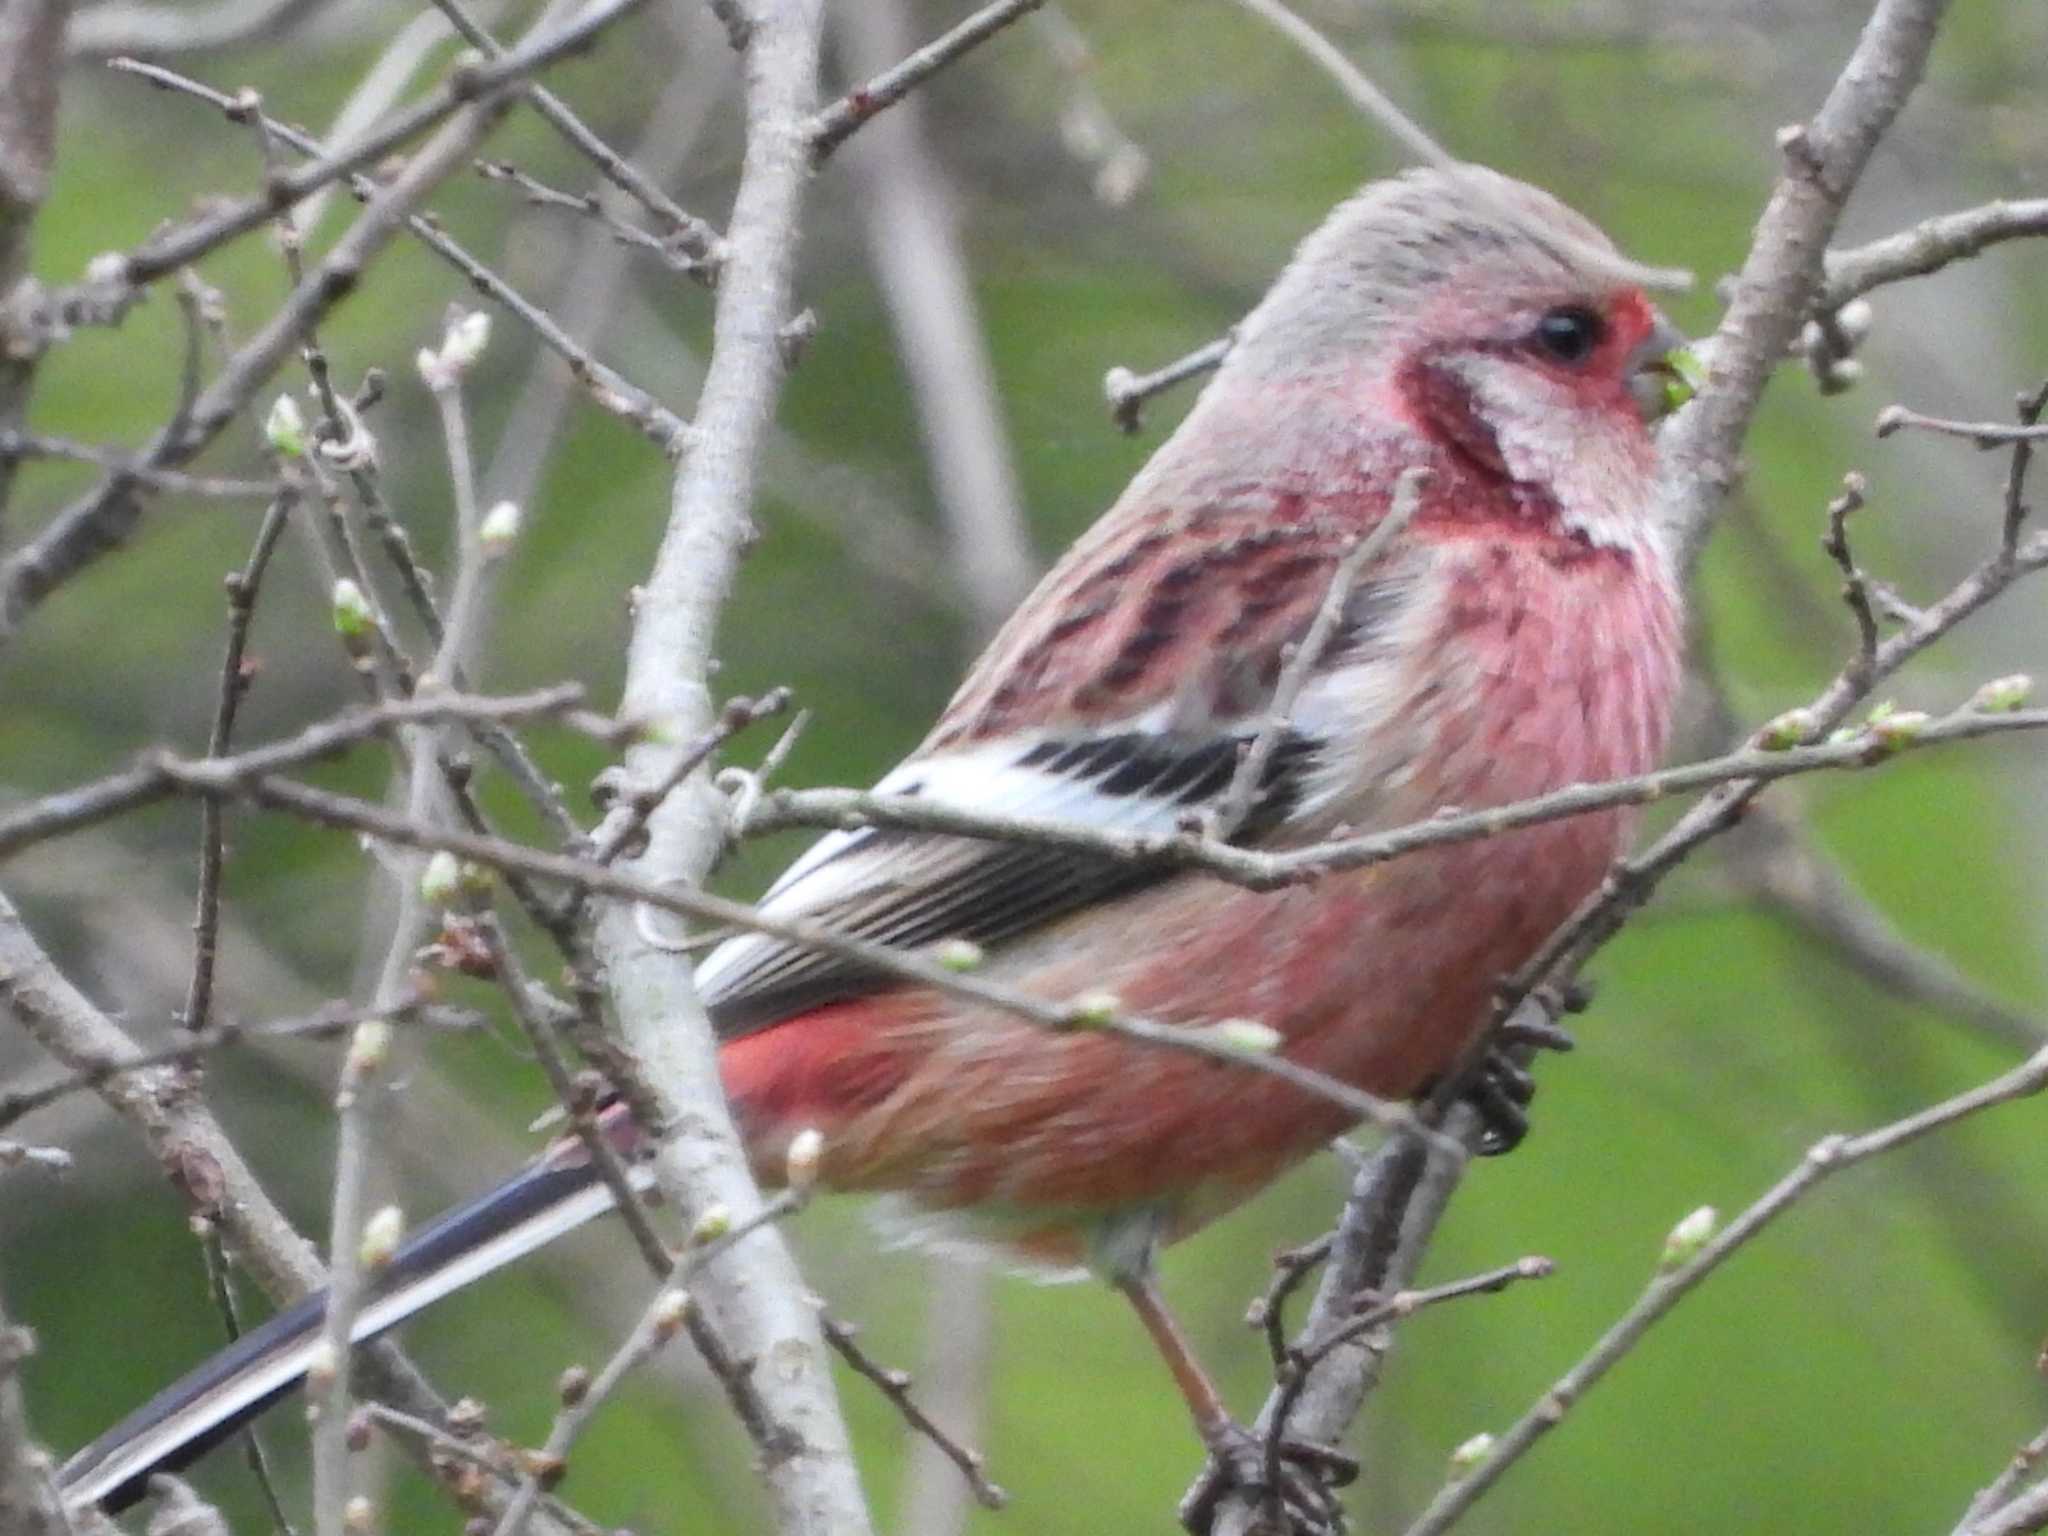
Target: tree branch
(757, 1304)
(1927, 247)
(1668, 1288)
(1700, 447)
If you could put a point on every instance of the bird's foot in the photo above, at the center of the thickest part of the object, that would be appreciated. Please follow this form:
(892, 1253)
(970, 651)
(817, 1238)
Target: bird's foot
(1292, 1486)
(1502, 1088)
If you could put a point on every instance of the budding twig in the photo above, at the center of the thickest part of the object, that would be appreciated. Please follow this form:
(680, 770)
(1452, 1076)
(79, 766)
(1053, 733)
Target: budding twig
(895, 1386)
(1666, 1289)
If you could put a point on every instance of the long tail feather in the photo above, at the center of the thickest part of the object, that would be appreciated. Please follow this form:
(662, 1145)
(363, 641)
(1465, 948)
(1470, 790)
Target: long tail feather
(210, 1403)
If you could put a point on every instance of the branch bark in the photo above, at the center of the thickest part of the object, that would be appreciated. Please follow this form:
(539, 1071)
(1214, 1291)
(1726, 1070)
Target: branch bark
(187, 1141)
(31, 60)
(28, 1491)
(1700, 448)
(757, 1303)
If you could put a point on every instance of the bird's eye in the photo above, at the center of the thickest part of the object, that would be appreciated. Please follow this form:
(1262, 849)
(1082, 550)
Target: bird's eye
(1570, 332)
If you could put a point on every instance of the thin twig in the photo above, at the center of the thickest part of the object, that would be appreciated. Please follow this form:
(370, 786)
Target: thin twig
(1411, 135)
(686, 232)
(79, 534)
(1246, 781)
(1128, 392)
(1928, 247)
(432, 1443)
(895, 1386)
(1268, 870)
(16, 447)
(1985, 434)
(1667, 1289)
(628, 825)
(322, 1024)
(1291, 1267)
(666, 1315)
(609, 389)
(220, 1282)
(1302, 1359)
(1855, 588)
(180, 247)
(143, 785)
(828, 129)
(2000, 1492)
(579, 1106)
(2030, 405)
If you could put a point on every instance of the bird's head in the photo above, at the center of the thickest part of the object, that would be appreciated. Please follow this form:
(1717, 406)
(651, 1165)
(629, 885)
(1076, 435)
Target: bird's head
(1491, 319)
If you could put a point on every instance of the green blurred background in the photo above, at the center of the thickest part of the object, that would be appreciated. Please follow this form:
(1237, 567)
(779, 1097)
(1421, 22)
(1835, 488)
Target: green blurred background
(1864, 1367)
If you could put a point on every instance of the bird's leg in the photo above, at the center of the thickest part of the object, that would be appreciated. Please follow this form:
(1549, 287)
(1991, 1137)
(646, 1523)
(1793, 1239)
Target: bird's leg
(1502, 1088)
(1296, 1479)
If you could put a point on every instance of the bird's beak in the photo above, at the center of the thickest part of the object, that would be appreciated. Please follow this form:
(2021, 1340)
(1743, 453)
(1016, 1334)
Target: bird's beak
(1663, 372)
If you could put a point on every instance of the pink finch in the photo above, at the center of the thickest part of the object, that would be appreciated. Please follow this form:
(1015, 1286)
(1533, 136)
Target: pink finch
(1520, 634)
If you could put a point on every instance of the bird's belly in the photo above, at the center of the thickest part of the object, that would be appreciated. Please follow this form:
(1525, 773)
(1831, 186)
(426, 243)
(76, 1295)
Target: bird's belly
(995, 1130)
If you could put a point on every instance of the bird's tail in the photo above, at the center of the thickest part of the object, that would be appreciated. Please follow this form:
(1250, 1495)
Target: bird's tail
(555, 1195)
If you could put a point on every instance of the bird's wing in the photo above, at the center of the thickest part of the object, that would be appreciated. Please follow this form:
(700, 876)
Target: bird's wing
(1081, 714)
(908, 888)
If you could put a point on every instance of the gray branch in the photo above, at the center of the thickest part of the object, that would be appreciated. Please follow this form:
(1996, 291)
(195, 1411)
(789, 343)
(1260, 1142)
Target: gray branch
(757, 1303)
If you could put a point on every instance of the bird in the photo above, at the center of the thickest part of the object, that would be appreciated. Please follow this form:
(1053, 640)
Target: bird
(1447, 335)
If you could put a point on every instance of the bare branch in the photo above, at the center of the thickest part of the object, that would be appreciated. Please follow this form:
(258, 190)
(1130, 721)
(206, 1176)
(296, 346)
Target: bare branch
(1127, 392)
(830, 128)
(242, 589)
(1668, 1288)
(325, 1023)
(196, 1154)
(90, 527)
(479, 85)
(689, 234)
(1984, 434)
(29, 1505)
(15, 447)
(608, 389)
(1259, 870)
(1700, 447)
(95, 802)
(31, 51)
(664, 1317)
(757, 1306)
(895, 1386)
(1928, 247)
(135, 26)
(236, 776)
(2024, 1515)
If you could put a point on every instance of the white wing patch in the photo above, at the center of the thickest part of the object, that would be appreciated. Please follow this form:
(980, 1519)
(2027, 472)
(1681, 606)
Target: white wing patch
(905, 887)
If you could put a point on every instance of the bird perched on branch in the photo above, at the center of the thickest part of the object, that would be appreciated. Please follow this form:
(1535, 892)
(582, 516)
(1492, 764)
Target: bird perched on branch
(1450, 344)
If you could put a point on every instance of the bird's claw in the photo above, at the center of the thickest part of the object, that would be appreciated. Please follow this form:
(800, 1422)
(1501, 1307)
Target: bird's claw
(1293, 1492)
(1502, 1088)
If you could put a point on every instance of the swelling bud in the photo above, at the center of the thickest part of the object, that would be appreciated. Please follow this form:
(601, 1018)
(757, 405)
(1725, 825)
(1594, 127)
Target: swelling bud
(381, 1234)
(285, 428)
(441, 881)
(1689, 1237)
(800, 1164)
(1246, 1035)
(1093, 1010)
(352, 615)
(1471, 1453)
(2002, 695)
(499, 530)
